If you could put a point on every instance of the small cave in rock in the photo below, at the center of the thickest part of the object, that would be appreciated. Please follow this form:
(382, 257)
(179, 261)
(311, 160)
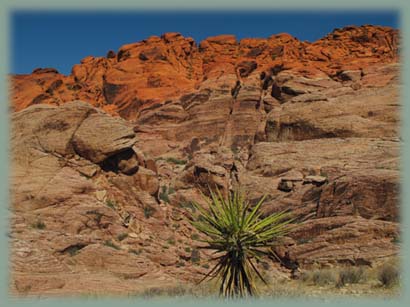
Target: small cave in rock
(276, 92)
(73, 249)
(276, 69)
(110, 91)
(245, 68)
(125, 162)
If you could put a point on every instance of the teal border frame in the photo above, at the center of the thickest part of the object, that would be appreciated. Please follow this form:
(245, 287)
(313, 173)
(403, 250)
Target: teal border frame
(7, 6)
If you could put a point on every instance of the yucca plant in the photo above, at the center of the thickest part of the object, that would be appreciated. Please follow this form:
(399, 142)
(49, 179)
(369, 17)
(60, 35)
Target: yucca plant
(239, 235)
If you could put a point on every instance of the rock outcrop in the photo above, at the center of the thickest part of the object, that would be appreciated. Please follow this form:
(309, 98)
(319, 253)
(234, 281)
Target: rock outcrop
(102, 188)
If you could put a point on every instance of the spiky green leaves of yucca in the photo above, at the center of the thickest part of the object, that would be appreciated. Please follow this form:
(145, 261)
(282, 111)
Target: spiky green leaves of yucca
(239, 235)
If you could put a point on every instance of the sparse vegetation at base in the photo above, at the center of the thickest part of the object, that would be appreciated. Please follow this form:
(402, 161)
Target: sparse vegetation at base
(388, 275)
(324, 277)
(282, 287)
(350, 275)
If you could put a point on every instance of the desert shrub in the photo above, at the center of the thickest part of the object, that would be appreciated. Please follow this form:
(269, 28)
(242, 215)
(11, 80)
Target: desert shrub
(149, 211)
(171, 241)
(122, 236)
(98, 215)
(324, 277)
(178, 290)
(163, 195)
(350, 275)
(39, 225)
(176, 161)
(195, 236)
(110, 203)
(303, 240)
(195, 256)
(388, 275)
(188, 205)
(180, 264)
(187, 249)
(109, 243)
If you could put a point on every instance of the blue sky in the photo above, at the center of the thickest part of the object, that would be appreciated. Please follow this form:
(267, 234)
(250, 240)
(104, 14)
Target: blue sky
(61, 39)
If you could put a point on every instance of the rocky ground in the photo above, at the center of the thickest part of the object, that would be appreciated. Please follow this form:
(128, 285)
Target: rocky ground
(106, 161)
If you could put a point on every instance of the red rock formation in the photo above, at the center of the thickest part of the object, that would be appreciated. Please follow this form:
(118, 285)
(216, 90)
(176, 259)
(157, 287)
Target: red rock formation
(158, 69)
(314, 126)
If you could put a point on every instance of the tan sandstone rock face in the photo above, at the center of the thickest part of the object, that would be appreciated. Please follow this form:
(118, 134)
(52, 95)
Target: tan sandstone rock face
(79, 213)
(314, 126)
